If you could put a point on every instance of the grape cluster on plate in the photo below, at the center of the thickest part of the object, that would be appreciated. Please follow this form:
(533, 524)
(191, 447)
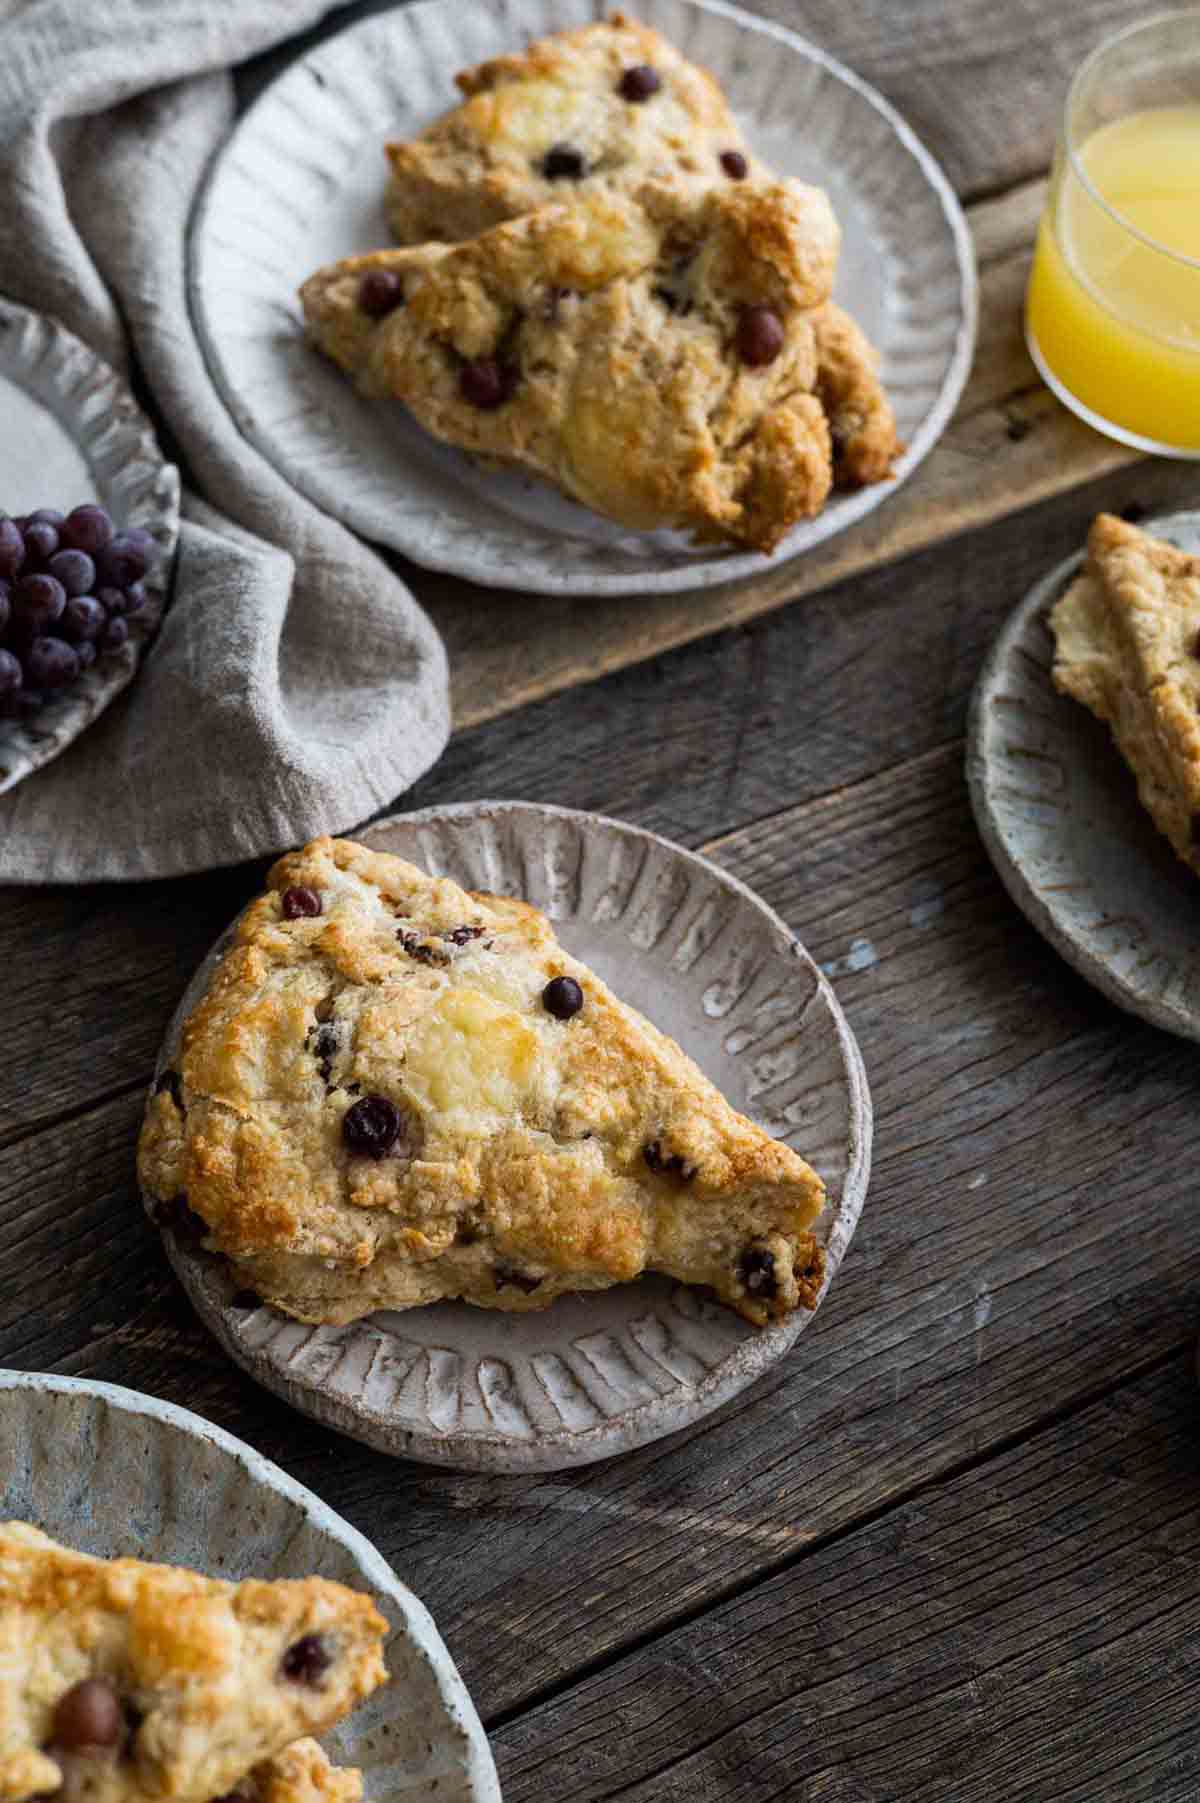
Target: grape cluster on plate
(69, 586)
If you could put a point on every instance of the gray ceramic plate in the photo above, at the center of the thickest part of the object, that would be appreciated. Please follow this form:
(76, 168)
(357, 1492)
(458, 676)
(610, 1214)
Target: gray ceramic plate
(597, 1374)
(300, 183)
(73, 433)
(1059, 813)
(119, 1474)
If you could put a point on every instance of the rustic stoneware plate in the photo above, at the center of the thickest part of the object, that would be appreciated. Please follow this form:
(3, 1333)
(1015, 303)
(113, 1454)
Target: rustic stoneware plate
(73, 433)
(300, 183)
(119, 1474)
(1059, 813)
(597, 1374)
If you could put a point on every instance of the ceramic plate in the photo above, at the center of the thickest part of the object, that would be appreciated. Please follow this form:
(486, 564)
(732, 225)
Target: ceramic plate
(73, 433)
(300, 183)
(1059, 813)
(594, 1374)
(119, 1474)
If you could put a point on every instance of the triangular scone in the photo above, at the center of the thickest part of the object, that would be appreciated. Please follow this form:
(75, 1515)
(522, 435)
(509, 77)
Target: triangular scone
(190, 1682)
(302, 1773)
(395, 1092)
(566, 118)
(660, 370)
(1127, 635)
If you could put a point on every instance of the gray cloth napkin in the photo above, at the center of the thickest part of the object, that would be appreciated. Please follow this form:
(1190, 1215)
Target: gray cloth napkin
(296, 686)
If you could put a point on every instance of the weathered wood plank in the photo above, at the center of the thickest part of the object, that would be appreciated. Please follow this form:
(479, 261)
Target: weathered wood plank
(701, 741)
(1028, 1630)
(1031, 1239)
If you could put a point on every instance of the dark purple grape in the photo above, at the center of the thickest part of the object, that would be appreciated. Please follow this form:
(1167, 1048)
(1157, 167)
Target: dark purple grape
(114, 601)
(135, 599)
(21, 704)
(10, 673)
(75, 570)
(12, 548)
(121, 562)
(51, 515)
(5, 607)
(87, 654)
(114, 634)
(83, 618)
(38, 604)
(147, 542)
(41, 540)
(87, 528)
(50, 663)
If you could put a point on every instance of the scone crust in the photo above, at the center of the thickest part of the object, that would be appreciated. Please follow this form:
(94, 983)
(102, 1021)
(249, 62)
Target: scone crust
(1127, 633)
(620, 326)
(196, 1661)
(862, 425)
(302, 1773)
(482, 163)
(538, 1155)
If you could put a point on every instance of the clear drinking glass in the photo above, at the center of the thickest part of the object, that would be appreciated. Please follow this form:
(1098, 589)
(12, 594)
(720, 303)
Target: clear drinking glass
(1112, 313)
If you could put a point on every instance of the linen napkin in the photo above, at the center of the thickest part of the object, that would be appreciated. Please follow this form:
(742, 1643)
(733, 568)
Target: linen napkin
(296, 686)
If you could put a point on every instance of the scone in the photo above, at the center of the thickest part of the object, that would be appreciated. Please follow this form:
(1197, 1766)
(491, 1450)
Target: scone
(610, 109)
(658, 368)
(125, 1682)
(395, 1092)
(302, 1773)
(614, 109)
(1127, 636)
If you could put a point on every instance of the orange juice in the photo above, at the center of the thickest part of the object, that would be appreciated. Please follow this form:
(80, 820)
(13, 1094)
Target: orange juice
(1113, 309)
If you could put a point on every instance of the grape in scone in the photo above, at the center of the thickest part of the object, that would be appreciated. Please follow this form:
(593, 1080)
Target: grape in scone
(126, 1682)
(658, 367)
(613, 109)
(1127, 635)
(396, 1092)
(610, 109)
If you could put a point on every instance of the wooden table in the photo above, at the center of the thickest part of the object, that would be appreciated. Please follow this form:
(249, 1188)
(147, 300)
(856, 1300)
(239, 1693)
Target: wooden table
(951, 1549)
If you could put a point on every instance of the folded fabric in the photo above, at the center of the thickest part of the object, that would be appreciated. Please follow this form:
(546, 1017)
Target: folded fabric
(296, 685)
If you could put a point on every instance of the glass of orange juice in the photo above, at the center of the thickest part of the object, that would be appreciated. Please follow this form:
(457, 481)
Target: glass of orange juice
(1112, 314)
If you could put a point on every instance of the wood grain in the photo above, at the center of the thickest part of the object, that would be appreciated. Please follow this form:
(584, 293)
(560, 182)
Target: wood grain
(1030, 1240)
(1026, 1631)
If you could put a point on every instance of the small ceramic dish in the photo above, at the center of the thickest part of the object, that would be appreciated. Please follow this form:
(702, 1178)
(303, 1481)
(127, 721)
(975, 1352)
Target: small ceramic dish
(1059, 814)
(594, 1374)
(301, 183)
(74, 433)
(118, 1474)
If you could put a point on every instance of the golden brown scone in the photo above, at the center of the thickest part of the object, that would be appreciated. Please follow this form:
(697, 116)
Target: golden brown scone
(862, 426)
(561, 119)
(379, 1103)
(1127, 634)
(302, 1773)
(125, 1682)
(658, 368)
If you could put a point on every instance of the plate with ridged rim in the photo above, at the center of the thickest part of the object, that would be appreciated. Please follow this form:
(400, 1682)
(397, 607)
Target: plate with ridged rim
(300, 183)
(74, 433)
(595, 1374)
(1058, 811)
(119, 1474)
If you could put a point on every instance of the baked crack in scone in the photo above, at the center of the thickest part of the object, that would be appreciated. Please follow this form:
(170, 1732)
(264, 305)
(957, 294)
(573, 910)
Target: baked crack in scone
(614, 109)
(396, 1092)
(657, 366)
(1127, 635)
(610, 109)
(126, 1682)
(302, 1773)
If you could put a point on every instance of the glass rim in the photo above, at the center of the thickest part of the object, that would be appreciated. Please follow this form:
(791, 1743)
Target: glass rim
(1080, 173)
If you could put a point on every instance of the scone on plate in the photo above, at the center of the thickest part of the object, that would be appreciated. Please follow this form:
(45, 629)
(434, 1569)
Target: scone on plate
(126, 1682)
(658, 366)
(610, 109)
(613, 109)
(396, 1092)
(1127, 635)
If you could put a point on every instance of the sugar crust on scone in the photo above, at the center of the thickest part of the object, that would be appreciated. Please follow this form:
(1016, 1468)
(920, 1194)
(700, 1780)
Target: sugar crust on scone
(620, 325)
(538, 1155)
(196, 1662)
(1127, 635)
